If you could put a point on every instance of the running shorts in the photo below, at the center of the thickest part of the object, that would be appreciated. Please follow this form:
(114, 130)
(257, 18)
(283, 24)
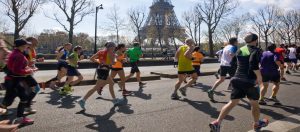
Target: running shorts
(242, 88)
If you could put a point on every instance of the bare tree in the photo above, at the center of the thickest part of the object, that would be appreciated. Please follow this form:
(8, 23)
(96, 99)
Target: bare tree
(137, 17)
(233, 27)
(192, 21)
(20, 11)
(3, 26)
(265, 21)
(212, 11)
(116, 22)
(74, 11)
(287, 26)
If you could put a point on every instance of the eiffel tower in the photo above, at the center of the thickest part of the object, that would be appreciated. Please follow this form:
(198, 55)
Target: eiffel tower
(162, 25)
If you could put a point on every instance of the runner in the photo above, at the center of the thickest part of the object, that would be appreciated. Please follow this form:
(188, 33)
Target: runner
(293, 57)
(62, 65)
(287, 60)
(106, 59)
(197, 60)
(73, 60)
(30, 54)
(225, 68)
(117, 68)
(17, 70)
(243, 84)
(134, 55)
(3, 54)
(184, 57)
(281, 52)
(219, 56)
(269, 69)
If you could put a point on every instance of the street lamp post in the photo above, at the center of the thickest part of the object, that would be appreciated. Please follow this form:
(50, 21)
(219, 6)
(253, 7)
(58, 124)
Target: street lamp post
(97, 9)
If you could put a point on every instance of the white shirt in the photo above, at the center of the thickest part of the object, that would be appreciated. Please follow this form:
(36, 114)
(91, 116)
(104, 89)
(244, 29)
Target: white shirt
(219, 53)
(226, 58)
(292, 54)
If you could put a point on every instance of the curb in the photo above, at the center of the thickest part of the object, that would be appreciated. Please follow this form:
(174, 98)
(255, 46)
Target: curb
(164, 75)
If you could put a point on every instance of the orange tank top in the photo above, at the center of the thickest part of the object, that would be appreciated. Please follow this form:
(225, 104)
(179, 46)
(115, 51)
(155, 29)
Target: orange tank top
(119, 62)
(104, 57)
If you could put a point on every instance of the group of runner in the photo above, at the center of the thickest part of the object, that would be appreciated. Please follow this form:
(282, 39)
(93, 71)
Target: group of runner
(19, 66)
(250, 69)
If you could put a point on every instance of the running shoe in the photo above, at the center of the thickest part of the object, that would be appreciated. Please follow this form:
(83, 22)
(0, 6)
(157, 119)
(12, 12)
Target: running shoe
(283, 79)
(126, 93)
(288, 72)
(274, 99)
(261, 123)
(141, 84)
(215, 126)
(262, 102)
(99, 91)
(117, 101)
(23, 121)
(29, 111)
(6, 112)
(82, 104)
(210, 94)
(175, 96)
(183, 91)
(62, 92)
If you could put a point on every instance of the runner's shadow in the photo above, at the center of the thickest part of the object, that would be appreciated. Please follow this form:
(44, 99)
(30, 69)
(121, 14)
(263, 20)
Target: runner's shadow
(54, 98)
(125, 107)
(273, 114)
(290, 83)
(103, 123)
(205, 88)
(68, 102)
(142, 95)
(103, 98)
(206, 108)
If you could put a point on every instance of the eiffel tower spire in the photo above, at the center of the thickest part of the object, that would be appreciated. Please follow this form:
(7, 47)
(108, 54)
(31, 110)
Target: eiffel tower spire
(162, 24)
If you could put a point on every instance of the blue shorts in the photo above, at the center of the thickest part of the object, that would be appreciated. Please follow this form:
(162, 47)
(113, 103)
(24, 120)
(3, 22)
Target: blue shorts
(295, 61)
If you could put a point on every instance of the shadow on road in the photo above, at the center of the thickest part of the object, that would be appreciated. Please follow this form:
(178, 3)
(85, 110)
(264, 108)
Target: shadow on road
(273, 114)
(67, 102)
(142, 95)
(206, 108)
(104, 123)
(205, 88)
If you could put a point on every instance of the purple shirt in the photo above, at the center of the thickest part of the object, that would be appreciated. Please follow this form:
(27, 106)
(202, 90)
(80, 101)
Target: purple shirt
(268, 63)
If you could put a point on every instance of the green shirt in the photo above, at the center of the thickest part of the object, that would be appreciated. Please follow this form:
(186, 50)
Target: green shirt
(74, 57)
(134, 54)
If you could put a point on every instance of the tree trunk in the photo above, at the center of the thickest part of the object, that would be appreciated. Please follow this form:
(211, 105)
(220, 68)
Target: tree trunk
(17, 31)
(266, 41)
(71, 32)
(117, 36)
(210, 43)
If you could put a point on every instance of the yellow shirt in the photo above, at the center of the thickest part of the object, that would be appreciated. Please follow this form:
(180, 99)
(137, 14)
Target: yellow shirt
(184, 64)
(197, 58)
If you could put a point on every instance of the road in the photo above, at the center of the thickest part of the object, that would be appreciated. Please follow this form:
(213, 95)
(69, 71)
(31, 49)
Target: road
(151, 110)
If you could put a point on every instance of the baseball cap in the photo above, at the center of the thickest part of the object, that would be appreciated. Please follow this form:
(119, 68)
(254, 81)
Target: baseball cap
(21, 42)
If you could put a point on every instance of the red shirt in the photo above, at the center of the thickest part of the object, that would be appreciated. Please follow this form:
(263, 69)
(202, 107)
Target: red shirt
(280, 51)
(18, 64)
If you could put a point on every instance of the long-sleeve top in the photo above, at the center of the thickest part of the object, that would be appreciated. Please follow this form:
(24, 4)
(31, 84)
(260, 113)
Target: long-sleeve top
(18, 64)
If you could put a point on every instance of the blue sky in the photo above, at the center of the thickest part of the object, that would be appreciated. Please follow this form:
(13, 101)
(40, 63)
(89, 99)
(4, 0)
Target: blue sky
(39, 22)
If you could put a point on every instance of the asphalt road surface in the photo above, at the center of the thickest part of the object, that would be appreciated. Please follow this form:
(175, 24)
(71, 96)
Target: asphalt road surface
(150, 109)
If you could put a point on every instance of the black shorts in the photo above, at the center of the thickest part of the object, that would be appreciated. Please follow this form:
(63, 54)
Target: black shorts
(30, 81)
(117, 69)
(242, 88)
(72, 71)
(287, 60)
(186, 72)
(134, 67)
(102, 74)
(62, 64)
(271, 78)
(224, 70)
(197, 69)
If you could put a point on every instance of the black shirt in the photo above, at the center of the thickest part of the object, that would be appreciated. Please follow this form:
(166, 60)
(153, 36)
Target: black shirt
(248, 63)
